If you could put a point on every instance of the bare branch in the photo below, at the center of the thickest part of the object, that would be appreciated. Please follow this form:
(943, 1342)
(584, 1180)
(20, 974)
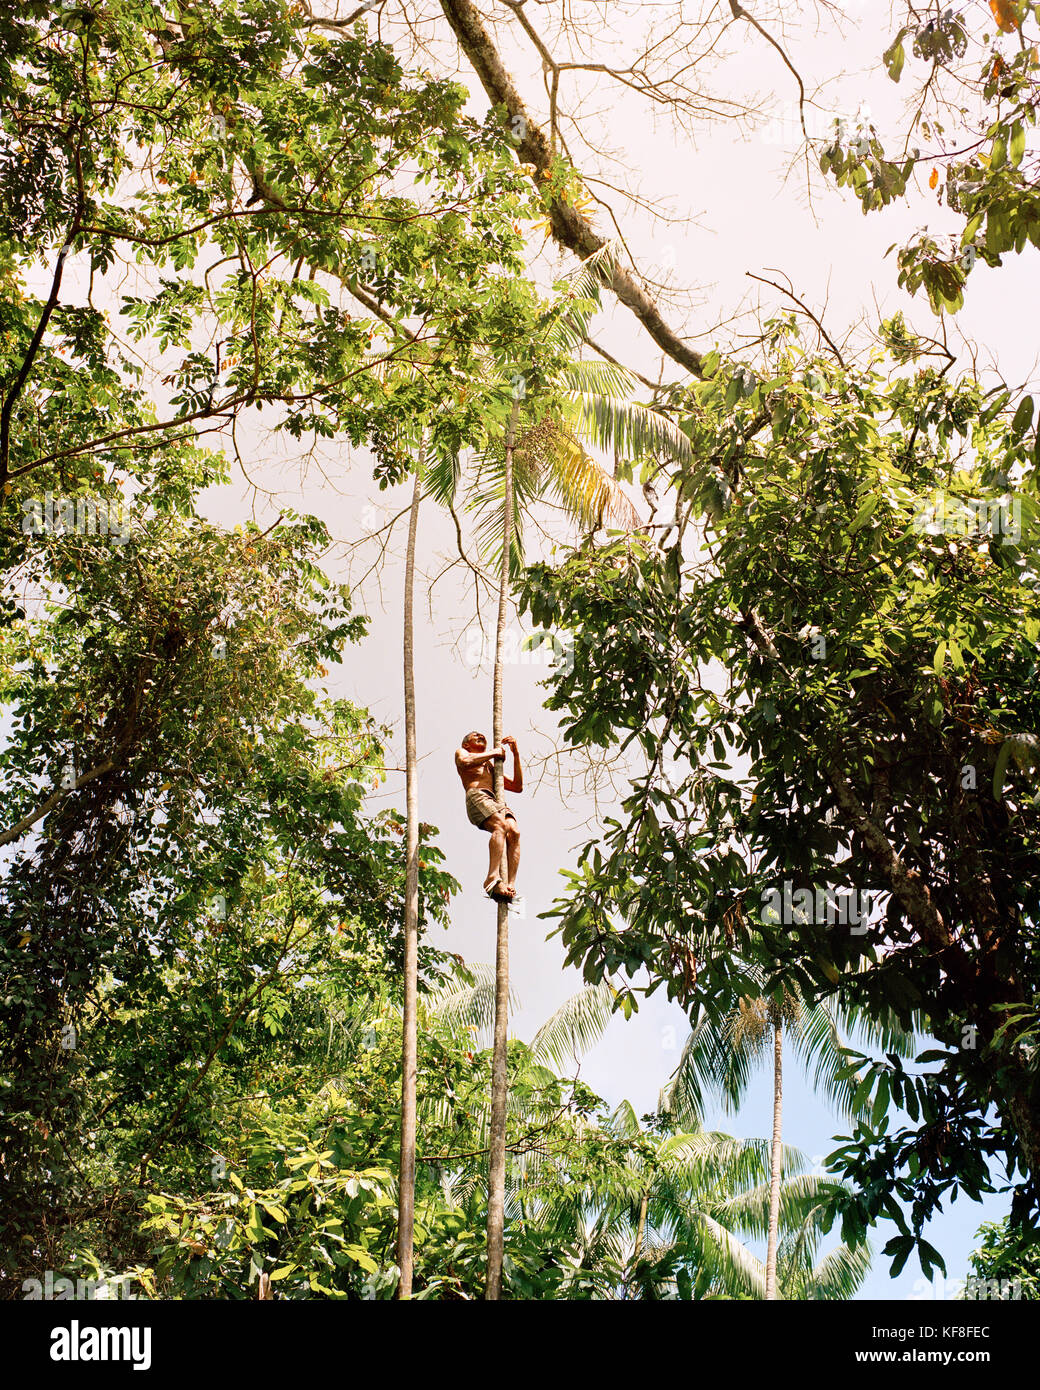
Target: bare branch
(571, 229)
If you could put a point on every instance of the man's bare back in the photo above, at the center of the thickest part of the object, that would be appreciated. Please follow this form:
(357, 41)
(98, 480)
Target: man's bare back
(473, 762)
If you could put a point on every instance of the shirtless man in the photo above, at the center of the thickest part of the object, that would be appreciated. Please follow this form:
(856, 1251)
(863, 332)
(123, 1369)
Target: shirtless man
(473, 763)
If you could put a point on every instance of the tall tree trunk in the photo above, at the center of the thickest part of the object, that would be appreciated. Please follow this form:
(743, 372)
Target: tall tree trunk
(406, 1175)
(499, 1085)
(638, 1248)
(774, 1160)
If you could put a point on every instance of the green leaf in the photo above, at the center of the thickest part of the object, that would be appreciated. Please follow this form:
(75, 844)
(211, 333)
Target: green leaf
(1017, 147)
(254, 1226)
(1023, 416)
(361, 1256)
(930, 1259)
(894, 57)
(993, 410)
(863, 1090)
(880, 1100)
(971, 230)
(1000, 771)
(901, 1247)
(864, 514)
(910, 1104)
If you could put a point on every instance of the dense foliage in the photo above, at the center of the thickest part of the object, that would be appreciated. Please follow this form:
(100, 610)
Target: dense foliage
(861, 568)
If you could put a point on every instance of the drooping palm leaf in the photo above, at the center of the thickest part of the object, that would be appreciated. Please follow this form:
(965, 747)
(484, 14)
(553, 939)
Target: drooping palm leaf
(839, 1275)
(460, 1007)
(576, 1025)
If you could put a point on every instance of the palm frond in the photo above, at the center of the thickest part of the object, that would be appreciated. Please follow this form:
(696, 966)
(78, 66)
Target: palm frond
(884, 1031)
(593, 377)
(576, 1025)
(800, 1198)
(586, 280)
(839, 1275)
(727, 1260)
(818, 1043)
(709, 1065)
(624, 1123)
(443, 465)
(486, 499)
(588, 491)
(460, 1008)
(632, 431)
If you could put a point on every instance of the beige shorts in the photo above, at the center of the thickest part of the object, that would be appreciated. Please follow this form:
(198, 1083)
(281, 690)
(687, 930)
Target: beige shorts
(480, 804)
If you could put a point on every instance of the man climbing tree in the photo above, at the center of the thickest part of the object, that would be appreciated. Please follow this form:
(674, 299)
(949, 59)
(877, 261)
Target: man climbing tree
(473, 761)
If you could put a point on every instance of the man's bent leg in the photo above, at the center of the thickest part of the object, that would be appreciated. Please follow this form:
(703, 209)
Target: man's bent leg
(497, 828)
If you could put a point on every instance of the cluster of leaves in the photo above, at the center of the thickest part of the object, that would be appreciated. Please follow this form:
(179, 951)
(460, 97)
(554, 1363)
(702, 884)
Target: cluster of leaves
(251, 174)
(206, 845)
(1008, 1256)
(907, 1174)
(875, 646)
(989, 177)
(228, 212)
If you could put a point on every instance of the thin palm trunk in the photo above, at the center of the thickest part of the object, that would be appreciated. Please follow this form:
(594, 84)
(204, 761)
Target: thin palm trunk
(774, 1160)
(406, 1176)
(499, 1085)
(638, 1248)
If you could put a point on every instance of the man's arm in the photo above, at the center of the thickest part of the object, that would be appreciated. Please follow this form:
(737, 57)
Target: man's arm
(515, 783)
(469, 760)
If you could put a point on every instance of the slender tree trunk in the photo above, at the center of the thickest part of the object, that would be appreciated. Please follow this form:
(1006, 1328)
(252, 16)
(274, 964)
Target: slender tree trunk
(406, 1176)
(499, 1084)
(640, 1228)
(640, 1233)
(774, 1160)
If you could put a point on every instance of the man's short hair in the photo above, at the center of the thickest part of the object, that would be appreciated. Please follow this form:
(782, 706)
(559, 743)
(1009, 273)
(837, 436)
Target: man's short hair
(473, 733)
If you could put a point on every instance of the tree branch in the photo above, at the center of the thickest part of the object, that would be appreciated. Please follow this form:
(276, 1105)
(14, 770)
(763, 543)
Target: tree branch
(740, 13)
(17, 831)
(11, 399)
(570, 228)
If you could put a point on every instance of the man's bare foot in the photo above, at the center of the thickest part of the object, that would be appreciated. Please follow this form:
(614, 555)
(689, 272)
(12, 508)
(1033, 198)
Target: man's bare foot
(496, 889)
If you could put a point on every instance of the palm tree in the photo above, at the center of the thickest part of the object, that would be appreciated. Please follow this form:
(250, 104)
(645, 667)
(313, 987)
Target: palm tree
(756, 1024)
(499, 1079)
(586, 400)
(406, 1176)
(720, 1056)
(667, 1216)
